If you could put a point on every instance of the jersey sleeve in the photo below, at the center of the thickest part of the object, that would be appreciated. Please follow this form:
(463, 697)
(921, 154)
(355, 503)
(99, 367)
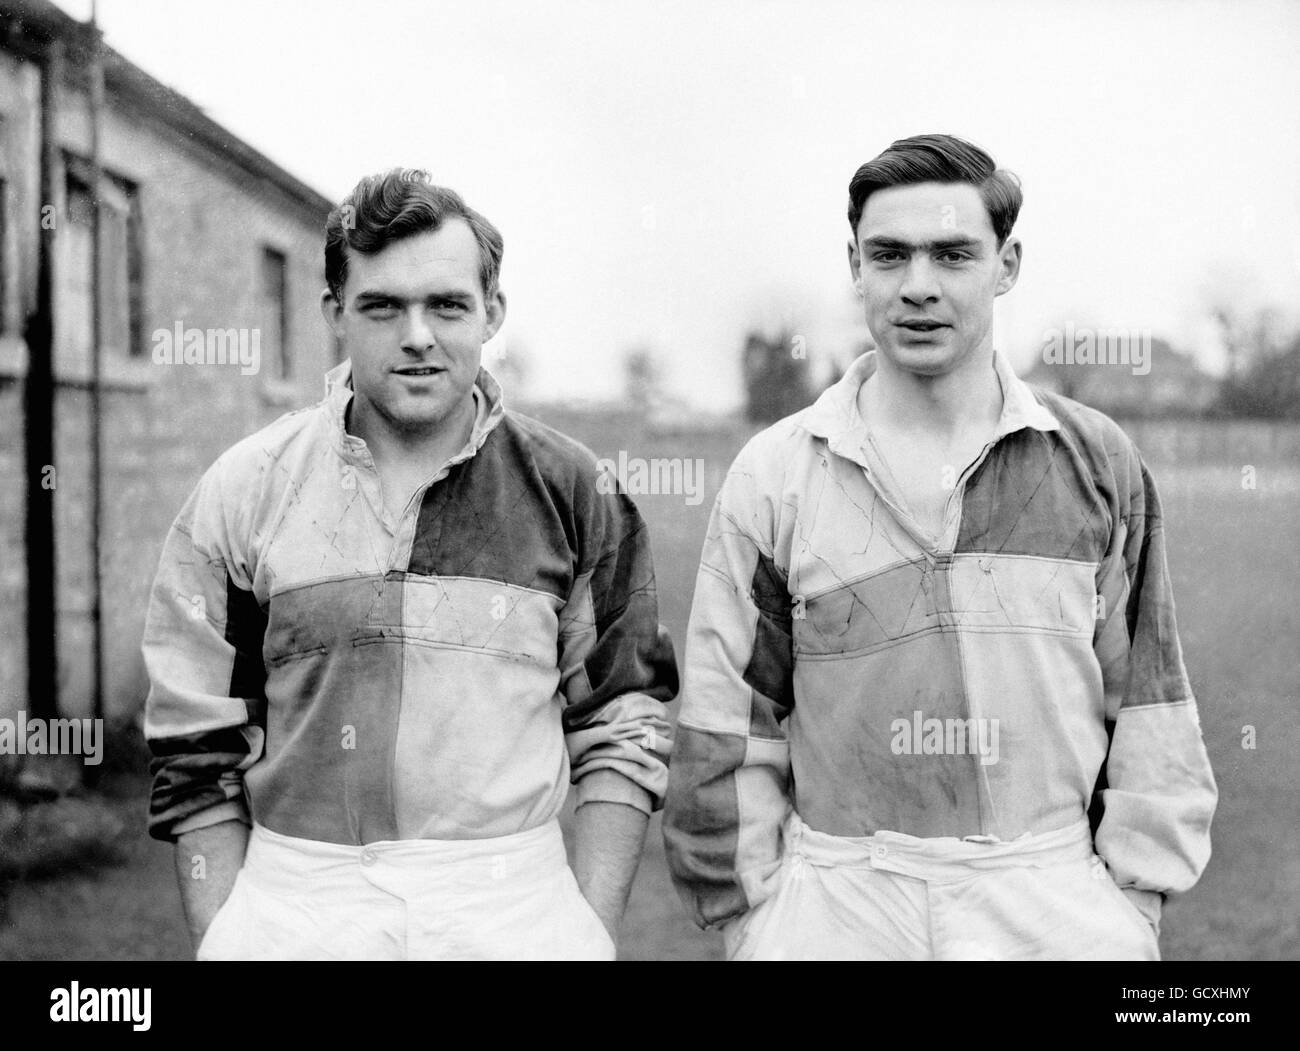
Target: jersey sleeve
(1157, 795)
(206, 709)
(729, 790)
(617, 668)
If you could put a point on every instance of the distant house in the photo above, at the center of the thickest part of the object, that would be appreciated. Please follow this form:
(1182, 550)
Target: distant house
(211, 257)
(1166, 383)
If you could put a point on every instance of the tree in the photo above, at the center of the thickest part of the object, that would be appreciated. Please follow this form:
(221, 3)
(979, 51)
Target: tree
(643, 379)
(511, 364)
(1266, 385)
(776, 376)
(1264, 365)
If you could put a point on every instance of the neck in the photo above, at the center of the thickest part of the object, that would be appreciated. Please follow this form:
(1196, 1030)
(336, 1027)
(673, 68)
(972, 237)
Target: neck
(968, 397)
(401, 448)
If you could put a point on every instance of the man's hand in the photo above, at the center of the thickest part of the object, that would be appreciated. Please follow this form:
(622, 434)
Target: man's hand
(608, 839)
(1148, 902)
(207, 861)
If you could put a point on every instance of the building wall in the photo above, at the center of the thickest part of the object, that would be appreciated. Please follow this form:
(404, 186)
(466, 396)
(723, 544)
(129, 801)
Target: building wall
(205, 224)
(13, 576)
(19, 133)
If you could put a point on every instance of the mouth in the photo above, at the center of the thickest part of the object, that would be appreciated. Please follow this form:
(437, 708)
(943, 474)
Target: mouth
(419, 371)
(920, 325)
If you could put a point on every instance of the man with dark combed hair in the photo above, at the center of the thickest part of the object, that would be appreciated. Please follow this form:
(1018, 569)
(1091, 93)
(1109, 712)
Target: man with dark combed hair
(944, 159)
(396, 204)
(422, 615)
(934, 702)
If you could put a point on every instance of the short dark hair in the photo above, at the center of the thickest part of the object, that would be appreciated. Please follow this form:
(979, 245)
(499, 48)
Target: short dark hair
(398, 203)
(939, 158)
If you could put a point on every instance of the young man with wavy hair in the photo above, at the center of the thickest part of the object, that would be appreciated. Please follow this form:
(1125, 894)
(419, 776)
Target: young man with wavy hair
(422, 619)
(934, 705)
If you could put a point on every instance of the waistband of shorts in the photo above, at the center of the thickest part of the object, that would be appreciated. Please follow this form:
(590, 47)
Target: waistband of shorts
(939, 858)
(276, 858)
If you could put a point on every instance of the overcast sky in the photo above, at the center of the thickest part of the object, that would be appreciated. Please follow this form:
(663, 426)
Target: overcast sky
(668, 174)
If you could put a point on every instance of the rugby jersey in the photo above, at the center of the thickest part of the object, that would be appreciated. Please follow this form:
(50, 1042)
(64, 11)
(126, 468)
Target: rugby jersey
(828, 629)
(334, 673)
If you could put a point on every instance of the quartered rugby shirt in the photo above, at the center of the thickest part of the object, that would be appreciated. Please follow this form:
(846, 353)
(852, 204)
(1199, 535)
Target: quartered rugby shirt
(823, 614)
(342, 676)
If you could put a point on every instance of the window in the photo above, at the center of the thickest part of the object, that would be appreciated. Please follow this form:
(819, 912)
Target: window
(4, 253)
(5, 152)
(275, 313)
(121, 269)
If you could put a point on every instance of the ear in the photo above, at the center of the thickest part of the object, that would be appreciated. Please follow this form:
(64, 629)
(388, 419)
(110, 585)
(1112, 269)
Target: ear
(331, 310)
(495, 306)
(1009, 256)
(855, 266)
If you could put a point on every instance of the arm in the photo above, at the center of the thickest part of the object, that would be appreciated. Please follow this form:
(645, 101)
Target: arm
(1157, 794)
(728, 794)
(608, 839)
(205, 712)
(207, 861)
(616, 672)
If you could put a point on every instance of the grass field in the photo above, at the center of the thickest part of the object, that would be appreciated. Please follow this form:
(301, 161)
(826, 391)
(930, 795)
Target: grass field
(1236, 580)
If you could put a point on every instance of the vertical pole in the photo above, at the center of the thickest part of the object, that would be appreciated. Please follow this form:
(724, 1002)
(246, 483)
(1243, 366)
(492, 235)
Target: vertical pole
(96, 71)
(38, 419)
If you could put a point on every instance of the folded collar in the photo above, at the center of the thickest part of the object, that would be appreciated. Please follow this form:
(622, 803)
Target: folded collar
(834, 416)
(489, 409)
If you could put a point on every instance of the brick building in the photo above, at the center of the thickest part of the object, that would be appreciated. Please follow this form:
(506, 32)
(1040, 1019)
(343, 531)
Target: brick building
(198, 232)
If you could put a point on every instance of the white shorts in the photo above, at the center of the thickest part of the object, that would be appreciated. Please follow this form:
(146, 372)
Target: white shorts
(894, 897)
(505, 898)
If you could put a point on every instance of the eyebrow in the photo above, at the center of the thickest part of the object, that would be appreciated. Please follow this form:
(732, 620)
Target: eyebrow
(372, 295)
(942, 244)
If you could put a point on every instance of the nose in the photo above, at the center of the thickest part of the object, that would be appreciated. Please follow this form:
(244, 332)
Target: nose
(417, 335)
(920, 285)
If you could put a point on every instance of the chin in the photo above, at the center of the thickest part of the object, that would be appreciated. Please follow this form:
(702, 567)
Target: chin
(414, 418)
(924, 361)
(427, 420)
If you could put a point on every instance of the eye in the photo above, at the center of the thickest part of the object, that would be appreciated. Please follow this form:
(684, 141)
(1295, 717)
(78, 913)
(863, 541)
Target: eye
(885, 256)
(379, 308)
(954, 257)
